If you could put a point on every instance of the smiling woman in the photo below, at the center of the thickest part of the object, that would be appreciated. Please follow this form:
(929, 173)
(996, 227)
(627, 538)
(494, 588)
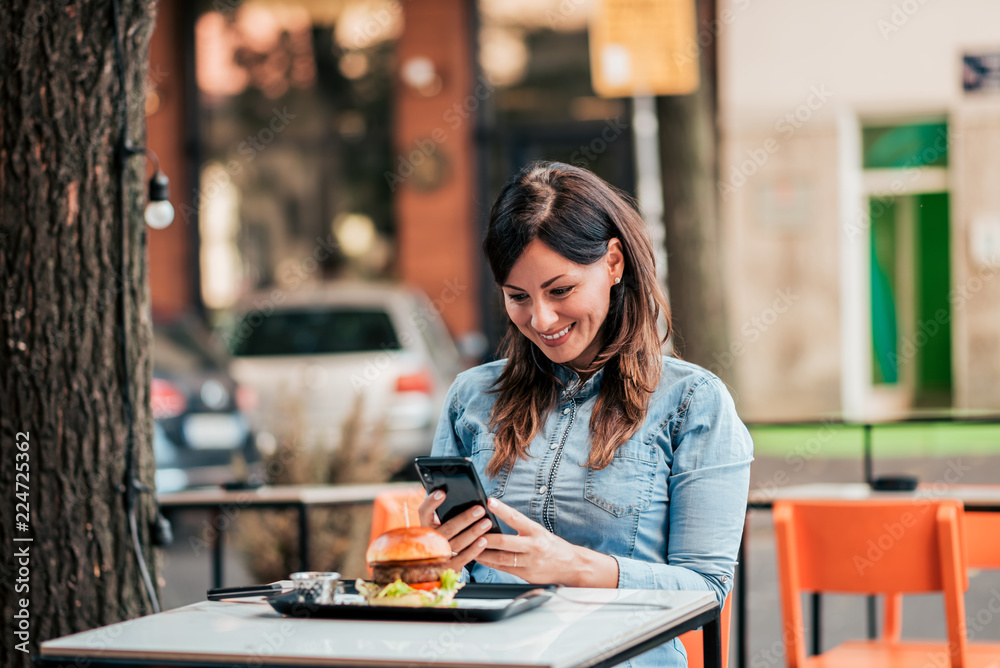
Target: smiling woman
(566, 312)
(617, 466)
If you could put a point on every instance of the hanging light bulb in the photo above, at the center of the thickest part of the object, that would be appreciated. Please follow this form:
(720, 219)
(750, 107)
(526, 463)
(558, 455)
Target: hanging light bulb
(159, 211)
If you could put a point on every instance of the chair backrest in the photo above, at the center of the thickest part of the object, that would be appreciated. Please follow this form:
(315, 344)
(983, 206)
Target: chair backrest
(391, 509)
(694, 645)
(982, 547)
(982, 539)
(871, 546)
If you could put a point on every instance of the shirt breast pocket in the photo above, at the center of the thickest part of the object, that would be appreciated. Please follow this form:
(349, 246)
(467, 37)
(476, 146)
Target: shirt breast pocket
(625, 486)
(483, 450)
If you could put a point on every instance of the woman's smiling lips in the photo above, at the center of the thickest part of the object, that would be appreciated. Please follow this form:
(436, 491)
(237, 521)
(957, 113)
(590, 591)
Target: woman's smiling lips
(556, 338)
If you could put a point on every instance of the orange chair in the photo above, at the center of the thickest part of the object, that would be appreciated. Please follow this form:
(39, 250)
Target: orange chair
(876, 547)
(982, 547)
(982, 539)
(392, 509)
(693, 641)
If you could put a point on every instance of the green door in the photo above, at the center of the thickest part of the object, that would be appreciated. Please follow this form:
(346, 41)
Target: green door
(933, 308)
(910, 282)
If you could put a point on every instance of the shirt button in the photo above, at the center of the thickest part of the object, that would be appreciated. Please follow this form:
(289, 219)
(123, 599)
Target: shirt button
(553, 446)
(543, 489)
(566, 410)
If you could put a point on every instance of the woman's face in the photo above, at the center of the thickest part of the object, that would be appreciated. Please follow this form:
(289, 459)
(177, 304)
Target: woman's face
(560, 305)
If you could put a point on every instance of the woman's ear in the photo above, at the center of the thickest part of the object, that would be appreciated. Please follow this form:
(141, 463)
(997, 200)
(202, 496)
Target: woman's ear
(615, 259)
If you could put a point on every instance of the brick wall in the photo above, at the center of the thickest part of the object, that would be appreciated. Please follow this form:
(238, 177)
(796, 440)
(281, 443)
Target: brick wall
(170, 276)
(434, 170)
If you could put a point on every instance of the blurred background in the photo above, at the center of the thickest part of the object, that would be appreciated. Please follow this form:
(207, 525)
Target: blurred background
(820, 178)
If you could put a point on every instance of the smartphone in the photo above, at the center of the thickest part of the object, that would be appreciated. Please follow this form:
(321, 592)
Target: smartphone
(457, 478)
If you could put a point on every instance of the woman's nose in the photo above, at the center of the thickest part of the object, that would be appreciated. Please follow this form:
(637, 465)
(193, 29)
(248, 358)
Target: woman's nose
(543, 317)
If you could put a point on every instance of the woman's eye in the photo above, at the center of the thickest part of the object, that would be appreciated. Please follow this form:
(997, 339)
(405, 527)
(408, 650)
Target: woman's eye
(520, 297)
(559, 292)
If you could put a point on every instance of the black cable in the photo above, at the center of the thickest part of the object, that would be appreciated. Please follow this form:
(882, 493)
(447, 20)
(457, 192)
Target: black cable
(132, 486)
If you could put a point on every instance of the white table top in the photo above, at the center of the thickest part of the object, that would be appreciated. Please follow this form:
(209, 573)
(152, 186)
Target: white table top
(559, 634)
(282, 494)
(977, 495)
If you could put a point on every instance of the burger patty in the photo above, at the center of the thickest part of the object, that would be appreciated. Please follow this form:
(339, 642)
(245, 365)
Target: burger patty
(384, 574)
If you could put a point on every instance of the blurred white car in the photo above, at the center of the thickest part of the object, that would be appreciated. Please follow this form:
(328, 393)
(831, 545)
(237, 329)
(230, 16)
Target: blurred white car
(316, 357)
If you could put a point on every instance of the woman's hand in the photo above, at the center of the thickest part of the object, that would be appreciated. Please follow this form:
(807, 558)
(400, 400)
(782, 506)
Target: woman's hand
(540, 557)
(464, 531)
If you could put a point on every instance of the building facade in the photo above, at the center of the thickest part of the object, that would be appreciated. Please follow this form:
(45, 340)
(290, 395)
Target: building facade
(861, 151)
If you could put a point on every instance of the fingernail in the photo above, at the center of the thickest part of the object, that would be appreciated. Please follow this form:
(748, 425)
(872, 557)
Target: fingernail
(485, 524)
(492, 502)
(438, 495)
(478, 511)
(481, 542)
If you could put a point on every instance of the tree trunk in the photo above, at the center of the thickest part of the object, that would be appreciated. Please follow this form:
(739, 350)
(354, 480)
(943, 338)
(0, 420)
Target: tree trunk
(62, 411)
(689, 157)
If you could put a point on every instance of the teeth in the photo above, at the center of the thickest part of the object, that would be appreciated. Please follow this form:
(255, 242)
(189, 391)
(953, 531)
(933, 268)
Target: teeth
(556, 335)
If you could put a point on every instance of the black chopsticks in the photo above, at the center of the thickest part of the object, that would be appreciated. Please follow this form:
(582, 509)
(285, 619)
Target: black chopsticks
(241, 592)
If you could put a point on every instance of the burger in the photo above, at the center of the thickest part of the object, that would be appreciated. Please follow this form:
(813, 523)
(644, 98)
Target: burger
(410, 568)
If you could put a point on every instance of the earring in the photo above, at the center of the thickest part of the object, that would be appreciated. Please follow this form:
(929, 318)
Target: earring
(618, 279)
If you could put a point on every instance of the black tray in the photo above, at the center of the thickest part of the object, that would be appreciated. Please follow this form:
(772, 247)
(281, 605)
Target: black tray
(289, 604)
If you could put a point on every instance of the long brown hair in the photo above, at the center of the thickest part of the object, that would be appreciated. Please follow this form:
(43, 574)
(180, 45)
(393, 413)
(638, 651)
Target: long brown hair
(576, 214)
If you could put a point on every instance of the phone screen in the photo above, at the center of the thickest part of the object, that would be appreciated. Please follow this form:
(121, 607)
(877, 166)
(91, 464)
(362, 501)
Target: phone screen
(457, 478)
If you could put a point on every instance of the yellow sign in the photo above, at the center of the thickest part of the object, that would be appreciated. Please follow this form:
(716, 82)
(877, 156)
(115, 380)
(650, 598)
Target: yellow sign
(643, 47)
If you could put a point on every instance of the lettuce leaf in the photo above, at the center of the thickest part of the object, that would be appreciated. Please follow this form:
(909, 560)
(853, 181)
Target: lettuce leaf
(450, 580)
(397, 588)
(442, 595)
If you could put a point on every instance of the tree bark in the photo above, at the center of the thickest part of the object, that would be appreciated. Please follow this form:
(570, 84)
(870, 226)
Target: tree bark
(689, 157)
(61, 332)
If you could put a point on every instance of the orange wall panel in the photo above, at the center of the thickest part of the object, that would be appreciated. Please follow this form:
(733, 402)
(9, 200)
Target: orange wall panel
(434, 177)
(171, 282)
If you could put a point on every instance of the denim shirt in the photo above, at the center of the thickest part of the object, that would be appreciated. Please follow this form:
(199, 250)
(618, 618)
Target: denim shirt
(670, 506)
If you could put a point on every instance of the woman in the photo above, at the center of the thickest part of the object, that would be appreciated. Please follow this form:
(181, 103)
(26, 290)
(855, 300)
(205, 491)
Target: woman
(616, 466)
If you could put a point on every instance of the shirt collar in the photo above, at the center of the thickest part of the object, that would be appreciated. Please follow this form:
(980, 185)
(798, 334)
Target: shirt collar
(571, 382)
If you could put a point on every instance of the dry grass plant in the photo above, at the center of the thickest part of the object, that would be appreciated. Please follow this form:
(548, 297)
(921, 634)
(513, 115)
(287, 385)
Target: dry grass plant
(338, 536)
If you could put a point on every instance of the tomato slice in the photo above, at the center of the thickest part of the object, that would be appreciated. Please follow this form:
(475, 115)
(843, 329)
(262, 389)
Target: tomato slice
(426, 586)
